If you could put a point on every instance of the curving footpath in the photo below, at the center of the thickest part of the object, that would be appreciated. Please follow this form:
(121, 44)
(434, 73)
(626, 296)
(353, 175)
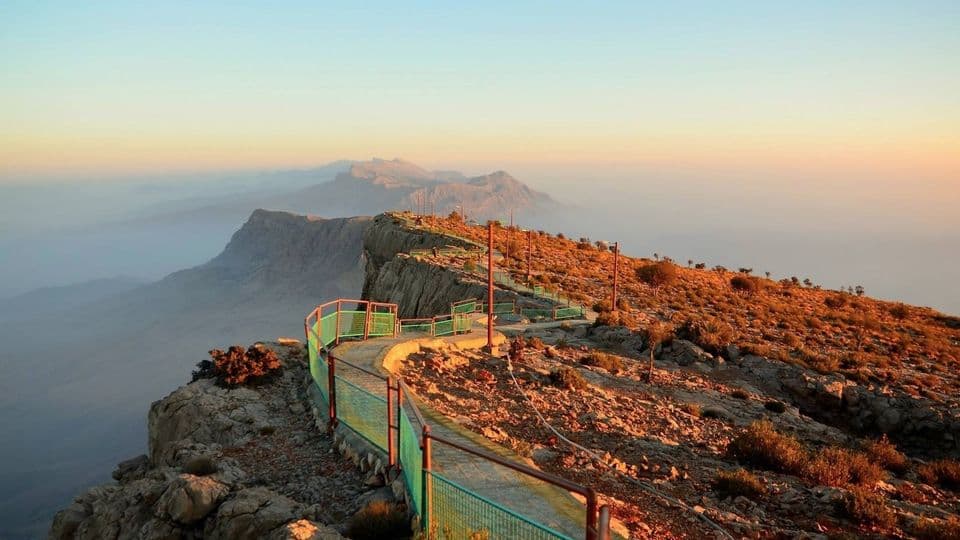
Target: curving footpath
(543, 503)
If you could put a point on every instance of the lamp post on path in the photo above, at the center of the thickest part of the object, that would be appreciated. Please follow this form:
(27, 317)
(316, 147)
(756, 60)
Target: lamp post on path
(616, 275)
(489, 347)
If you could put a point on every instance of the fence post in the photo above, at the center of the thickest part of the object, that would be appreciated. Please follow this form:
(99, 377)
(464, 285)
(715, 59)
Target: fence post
(399, 419)
(366, 323)
(391, 449)
(427, 491)
(332, 389)
(337, 331)
(604, 525)
(591, 514)
(396, 326)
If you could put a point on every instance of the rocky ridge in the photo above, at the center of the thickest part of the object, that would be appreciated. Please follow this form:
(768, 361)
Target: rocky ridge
(227, 463)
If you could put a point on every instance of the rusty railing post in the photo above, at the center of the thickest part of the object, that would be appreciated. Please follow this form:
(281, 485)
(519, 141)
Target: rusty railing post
(604, 532)
(490, 286)
(332, 389)
(427, 487)
(337, 331)
(591, 514)
(366, 323)
(391, 449)
(616, 275)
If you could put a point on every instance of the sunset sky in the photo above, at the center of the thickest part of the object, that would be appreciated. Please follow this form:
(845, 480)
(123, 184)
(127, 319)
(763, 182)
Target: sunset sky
(103, 89)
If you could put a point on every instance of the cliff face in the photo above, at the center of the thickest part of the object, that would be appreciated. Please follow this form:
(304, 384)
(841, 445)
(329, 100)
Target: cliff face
(420, 288)
(224, 463)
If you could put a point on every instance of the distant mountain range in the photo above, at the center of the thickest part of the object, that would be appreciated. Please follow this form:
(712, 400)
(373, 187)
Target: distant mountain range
(372, 187)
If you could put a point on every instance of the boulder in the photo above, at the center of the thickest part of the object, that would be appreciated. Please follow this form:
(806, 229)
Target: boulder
(304, 529)
(190, 498)
(252, 514)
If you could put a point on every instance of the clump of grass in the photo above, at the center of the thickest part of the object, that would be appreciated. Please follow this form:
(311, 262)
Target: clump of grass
(739, 482)
(775, 406)
(568, 378)
(609, 362)
(762, 446)
(740, 394)
(943, 472)
(379, 519)
(536, 344)
(693, 409)
(867, 508)
(200, 466)
(839, 467)
(937, 529)
(885, 453)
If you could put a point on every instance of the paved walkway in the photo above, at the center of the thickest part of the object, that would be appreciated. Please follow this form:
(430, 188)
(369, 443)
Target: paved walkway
(538, 501)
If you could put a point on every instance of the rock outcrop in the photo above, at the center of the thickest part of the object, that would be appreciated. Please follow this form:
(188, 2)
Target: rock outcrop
(228, 464)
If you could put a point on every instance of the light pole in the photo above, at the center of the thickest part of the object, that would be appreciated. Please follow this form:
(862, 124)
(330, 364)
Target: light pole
(529, 253)
(490, 286)
(616, 274)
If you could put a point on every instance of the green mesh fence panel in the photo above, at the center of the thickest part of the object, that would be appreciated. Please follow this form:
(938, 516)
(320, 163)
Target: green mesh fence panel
(461, 323)
(322, 379)
(382, 324)
(443, 328)
(418, 328)
(538, 290)
(313, 342)
(458, 512)
(361, 411)
(411, 461)
(568, 312)
(503, 307)
(534, 313)
(352, 323)
(328, 328)
(465, 307)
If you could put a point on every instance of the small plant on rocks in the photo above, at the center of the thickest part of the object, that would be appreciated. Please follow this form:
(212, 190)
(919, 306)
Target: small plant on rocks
(237, 366)
(739, 482)
(867, 508)
(943, 472)
(569, 378)
(609, 362)
(762, 445)
(379, 519)
(885, 453)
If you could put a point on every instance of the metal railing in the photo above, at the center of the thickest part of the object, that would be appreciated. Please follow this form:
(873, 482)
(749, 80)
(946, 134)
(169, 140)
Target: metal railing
(394, 423)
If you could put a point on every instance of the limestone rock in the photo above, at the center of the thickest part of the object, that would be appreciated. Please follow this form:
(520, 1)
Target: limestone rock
(190, 498)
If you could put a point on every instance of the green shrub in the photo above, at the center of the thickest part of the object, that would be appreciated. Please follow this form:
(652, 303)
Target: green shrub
(569, 378)
(739, 482)
(609, 362)
(762, 446)
(379, 519)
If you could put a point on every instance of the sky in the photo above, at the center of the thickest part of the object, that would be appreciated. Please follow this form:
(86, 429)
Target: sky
(854, 90)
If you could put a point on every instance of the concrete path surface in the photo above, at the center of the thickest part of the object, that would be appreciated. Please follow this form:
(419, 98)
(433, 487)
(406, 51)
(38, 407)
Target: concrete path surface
(542, 503)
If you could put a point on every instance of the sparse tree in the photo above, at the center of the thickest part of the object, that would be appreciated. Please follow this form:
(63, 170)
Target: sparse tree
(807, 282)
(767, 274)
(859, 290)
(656, 334)
(689, 263)
(747, 271)
(656, 256)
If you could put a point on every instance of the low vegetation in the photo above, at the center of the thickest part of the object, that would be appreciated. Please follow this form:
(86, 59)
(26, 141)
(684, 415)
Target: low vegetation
(865, 507)
(609, 362)
(236, 366)
(568, 378)
(943, 472)
(739, 483)
(379, 519)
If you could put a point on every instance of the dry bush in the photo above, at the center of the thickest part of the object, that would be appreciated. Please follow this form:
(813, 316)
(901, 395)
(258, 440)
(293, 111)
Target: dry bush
(744, 284)
(775, 406)
(609, 362)
(835, 301)
(236, 366)
(739, 482)
(536, 344)
(867, 508)
(943, 472)
(839, 467)
(937, 529)
(762, 446)
(740, 394)
(693, 409)
(379, 519)
(658, 274)
(568, 378)
(900, 311)
(885, 453)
